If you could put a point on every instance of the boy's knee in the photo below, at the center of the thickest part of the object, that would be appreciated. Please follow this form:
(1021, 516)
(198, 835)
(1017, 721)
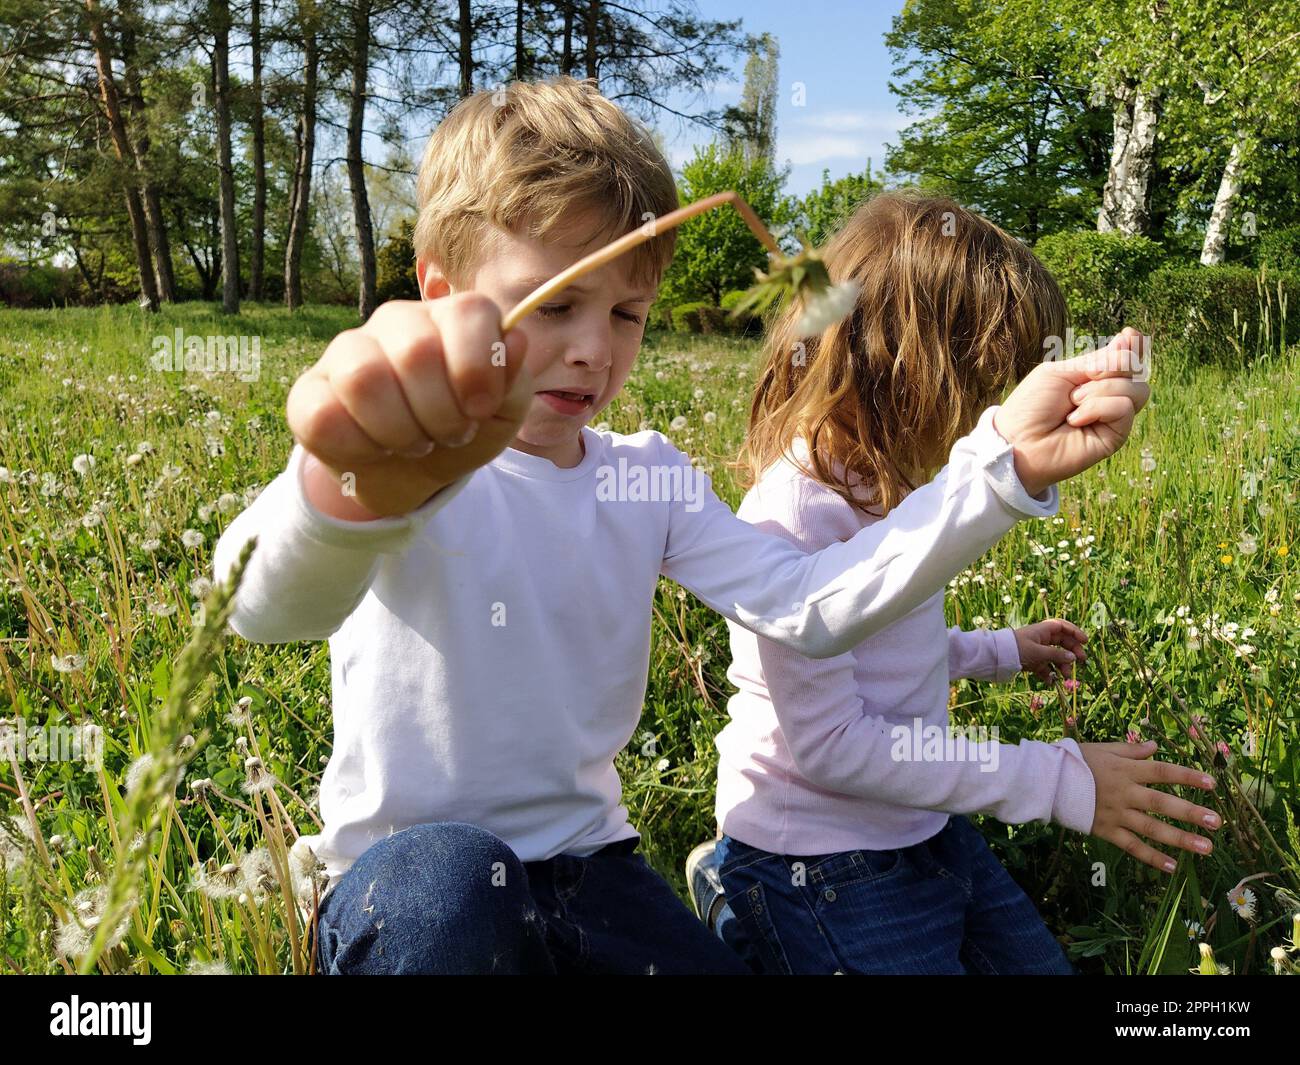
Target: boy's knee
(445, 897)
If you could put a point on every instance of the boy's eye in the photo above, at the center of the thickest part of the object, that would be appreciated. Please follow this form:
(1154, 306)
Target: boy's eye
(554, 310)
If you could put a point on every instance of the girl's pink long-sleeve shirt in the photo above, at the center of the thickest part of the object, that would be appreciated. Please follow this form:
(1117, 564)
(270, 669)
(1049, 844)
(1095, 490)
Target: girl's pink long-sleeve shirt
(838, 754)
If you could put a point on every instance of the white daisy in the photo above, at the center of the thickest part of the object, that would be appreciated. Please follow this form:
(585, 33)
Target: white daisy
(1242, 902)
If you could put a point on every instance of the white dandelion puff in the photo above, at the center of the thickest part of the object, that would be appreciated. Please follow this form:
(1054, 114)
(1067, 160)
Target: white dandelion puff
(207, 968)
(70, 663)
(824, 308)
(77, 932)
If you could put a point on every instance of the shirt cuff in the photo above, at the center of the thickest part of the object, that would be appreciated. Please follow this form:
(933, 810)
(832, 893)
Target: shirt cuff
(1075, 804)
(1007, 653)
(386, 534)
(1000, 465)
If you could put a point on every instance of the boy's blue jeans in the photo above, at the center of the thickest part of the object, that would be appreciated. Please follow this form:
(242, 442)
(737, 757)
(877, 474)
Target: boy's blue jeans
(945, 905)
(447, 897)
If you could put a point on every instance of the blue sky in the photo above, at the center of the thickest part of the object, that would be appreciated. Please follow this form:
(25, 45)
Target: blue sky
(836, 49)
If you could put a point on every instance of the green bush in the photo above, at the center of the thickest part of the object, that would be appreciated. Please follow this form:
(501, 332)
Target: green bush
(1213, 312)
(748, 324)
(686, 316)
(1100, 274)
(1279, 249)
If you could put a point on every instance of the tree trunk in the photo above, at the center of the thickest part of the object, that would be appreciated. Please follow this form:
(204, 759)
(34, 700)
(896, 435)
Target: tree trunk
(356, 164)
(566, 56)
(220, 12)
(125, 155)
(1124, 201)
(151, 201)
(1216, 233)
(256, 281)
(593, 26)
(465, 28)
(299, 214)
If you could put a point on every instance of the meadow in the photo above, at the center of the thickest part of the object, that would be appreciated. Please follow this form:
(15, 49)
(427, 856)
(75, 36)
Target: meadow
(1177, 557)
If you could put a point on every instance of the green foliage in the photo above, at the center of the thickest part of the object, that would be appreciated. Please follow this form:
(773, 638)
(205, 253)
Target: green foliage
(395, 266)
(1220, 312)
(1099, 273)
(1279, 249)
(825, 209)
(687, 316)
(1009, 127)
(716, 251)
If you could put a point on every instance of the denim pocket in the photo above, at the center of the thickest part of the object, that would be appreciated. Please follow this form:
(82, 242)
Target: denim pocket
(853, 867)
(755, 917)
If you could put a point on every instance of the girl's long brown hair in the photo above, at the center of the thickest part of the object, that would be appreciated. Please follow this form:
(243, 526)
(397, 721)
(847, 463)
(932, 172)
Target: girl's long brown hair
(952, 311)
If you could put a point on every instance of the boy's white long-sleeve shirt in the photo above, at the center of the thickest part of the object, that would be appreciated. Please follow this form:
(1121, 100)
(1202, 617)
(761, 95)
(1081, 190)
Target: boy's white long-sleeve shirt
(489, 650)
(820, 755)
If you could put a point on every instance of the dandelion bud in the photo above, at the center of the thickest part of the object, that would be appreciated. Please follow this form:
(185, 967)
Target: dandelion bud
(1295, 931)
(1208, 966)
(1279, 960)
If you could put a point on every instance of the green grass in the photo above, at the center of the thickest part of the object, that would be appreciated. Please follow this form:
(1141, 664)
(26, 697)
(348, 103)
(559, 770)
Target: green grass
(94, 565)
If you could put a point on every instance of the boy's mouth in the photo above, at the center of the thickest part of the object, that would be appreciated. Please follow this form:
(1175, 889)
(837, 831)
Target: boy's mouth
(565, 402)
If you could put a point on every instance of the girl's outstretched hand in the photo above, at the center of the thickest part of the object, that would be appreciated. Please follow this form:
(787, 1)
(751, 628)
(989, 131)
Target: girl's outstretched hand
(1070, 414)
(1125, 803)
(1045, 644)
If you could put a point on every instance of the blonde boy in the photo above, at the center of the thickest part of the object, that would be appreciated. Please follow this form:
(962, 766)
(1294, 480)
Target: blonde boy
(488, 609)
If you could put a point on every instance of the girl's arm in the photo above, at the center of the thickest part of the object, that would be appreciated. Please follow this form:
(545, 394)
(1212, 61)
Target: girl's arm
(838, 746)
(309, 571)
(982, 654)
(824, 603)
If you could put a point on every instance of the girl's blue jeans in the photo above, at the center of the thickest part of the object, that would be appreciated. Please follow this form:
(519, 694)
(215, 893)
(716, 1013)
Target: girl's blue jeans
(447, 898)
(945, 905)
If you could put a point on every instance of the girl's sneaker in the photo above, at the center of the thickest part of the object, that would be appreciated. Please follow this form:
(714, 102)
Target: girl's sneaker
(705, 886)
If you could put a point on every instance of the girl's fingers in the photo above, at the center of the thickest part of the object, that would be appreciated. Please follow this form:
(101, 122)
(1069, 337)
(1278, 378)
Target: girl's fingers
(1135, 751)
(1161, 802)
(1131, 845)
(1154, 829)
(1117, 411)
(1170, 773)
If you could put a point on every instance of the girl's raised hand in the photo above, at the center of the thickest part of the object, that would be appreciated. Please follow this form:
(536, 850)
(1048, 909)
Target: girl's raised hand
(1045, 644)
(1070, 414)
(1125, 803)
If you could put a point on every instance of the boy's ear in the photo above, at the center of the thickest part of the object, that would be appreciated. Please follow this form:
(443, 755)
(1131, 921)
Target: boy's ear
(432, 284)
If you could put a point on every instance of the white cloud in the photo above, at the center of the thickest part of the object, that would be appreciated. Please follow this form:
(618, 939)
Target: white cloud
(854, 121)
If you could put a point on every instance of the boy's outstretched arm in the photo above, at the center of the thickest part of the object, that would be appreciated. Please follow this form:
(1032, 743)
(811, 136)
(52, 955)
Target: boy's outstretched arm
(1063, 418)
(390, 423)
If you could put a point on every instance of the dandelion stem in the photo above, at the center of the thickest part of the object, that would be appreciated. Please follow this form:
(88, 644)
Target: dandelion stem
(640, 235)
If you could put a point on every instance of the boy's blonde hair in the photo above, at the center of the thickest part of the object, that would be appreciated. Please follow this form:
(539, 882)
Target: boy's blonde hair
(952, 311)
(526, 155)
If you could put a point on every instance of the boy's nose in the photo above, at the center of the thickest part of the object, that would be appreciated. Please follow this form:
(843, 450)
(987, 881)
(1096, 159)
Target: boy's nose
(591, 350)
